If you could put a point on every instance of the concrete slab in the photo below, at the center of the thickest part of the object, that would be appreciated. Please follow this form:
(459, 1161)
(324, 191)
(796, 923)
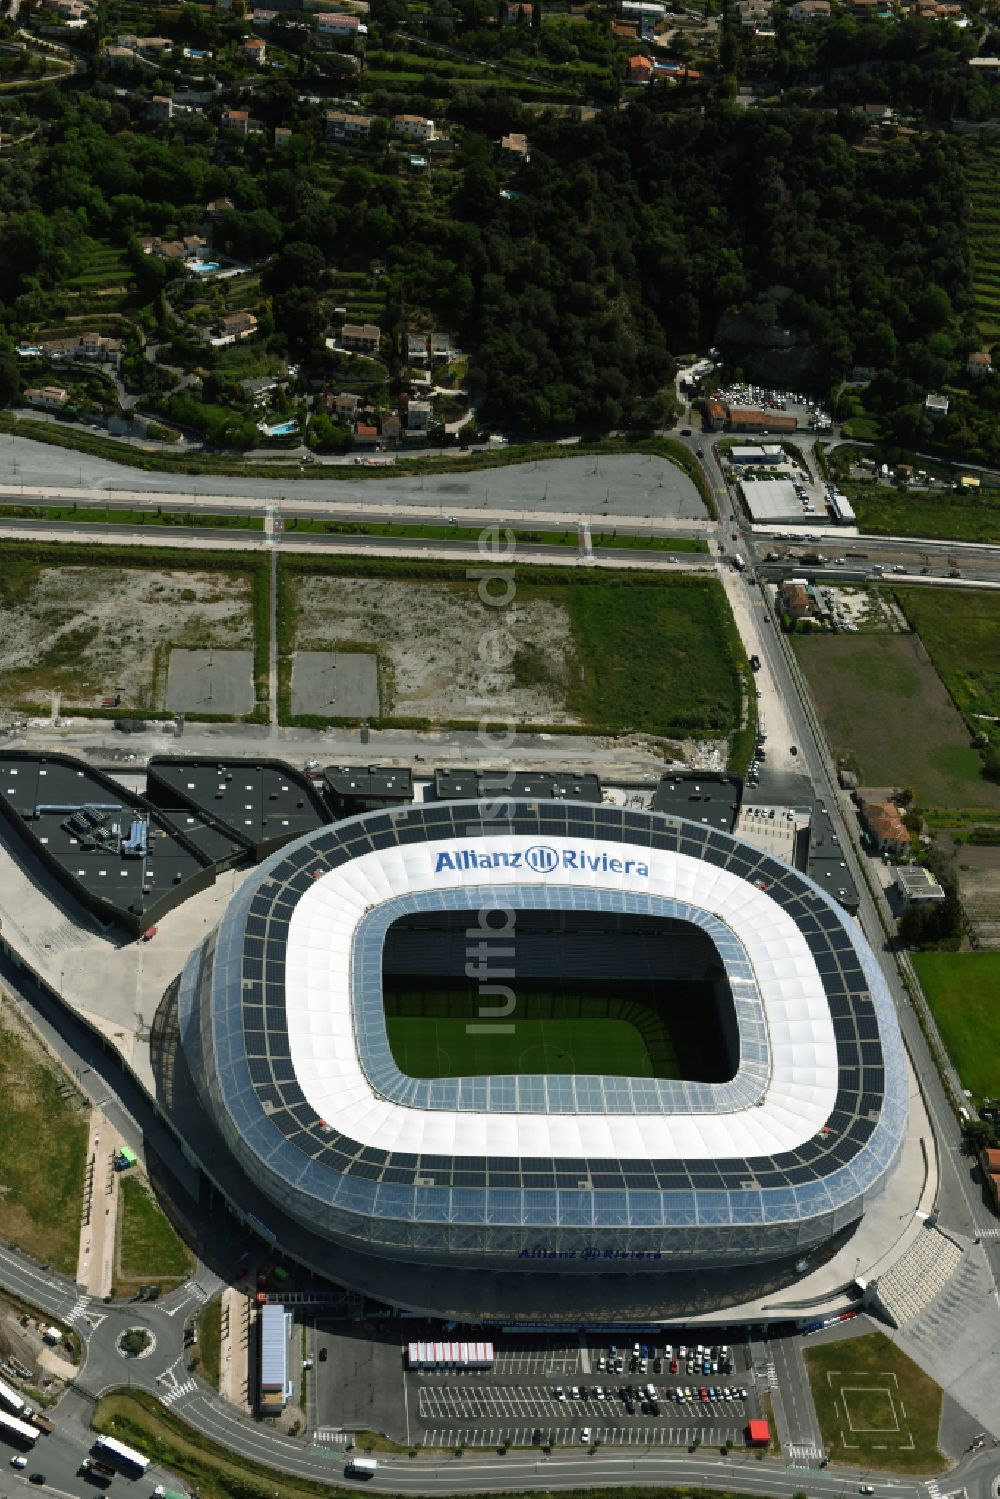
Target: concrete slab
(335, 684)
(955, 1339)
(114, 982)
(210, 682)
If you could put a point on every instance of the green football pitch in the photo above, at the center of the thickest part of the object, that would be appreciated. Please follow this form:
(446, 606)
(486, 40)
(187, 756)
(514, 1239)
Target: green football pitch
(425, 1047)
(620, 1030)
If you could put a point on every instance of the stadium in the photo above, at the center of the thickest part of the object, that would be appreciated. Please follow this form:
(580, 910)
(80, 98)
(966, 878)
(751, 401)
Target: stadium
(532, 1035)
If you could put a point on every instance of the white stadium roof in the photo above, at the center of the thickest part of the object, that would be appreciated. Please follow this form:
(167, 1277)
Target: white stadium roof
(801, 1090)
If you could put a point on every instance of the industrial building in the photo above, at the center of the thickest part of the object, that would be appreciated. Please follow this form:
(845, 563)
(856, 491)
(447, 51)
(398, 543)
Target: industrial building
(770, 501)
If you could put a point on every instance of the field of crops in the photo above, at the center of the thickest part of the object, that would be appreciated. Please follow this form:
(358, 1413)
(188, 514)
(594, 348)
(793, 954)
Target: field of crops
(982, 168)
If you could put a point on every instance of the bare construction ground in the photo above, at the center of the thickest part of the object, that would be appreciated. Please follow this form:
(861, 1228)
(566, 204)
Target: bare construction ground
(77, 634)
(446, 654)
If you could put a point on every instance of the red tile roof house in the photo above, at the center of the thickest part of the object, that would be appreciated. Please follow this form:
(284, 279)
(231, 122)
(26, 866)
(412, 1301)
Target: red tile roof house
(990, 1161)
(365, 435)
(885, 827)
(640, 69)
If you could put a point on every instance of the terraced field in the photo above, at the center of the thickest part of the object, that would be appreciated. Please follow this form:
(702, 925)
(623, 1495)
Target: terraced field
(982, 167)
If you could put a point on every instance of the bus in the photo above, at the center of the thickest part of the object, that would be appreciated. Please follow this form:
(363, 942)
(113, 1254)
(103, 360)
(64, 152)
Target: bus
(17, 1431)
(11, 1398)
(125, 1459)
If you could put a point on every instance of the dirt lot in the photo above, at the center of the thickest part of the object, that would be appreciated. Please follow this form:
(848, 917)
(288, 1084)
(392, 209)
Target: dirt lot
(436, 640)
(85, 632)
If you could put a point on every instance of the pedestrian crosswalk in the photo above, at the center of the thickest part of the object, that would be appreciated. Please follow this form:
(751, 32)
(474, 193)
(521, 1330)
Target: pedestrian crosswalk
(804, 1452)
(772, 1375)
(332, 1435)
(990, 1233)
(186, 1387)
(932, 1489)
(77, 1310)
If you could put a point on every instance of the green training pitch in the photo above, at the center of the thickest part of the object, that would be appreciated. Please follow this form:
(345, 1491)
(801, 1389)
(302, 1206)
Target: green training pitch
(616, 1030)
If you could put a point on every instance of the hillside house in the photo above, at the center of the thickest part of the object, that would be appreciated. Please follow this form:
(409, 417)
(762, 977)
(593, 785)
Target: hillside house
(238, 325)
(418, 416)
(341, 126)
(362, 337)
(514, 149)
(47, 397)
(254, 50)
(413, 127)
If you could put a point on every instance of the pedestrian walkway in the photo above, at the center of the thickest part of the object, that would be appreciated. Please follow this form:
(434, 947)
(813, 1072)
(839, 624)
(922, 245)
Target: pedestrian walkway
(95, 1269)
(234, 1375)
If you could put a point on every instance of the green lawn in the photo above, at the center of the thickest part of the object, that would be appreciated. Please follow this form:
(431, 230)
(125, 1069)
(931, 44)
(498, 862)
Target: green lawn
(657, 658)
(86, 515)
(149, 1249)
(940, 517)
(960, 629)
(208, 1349)
(876, 1409)
(963, 991)
(43, 1148)
(601, 539)
(881, 700)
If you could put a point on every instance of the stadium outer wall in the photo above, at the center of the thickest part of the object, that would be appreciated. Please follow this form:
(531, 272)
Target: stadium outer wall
(628, 1212)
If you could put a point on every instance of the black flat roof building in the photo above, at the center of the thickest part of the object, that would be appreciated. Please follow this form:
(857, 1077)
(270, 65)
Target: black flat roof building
(259, 803)
(351, 789)
(473, 785)
(120, 857)
(825, 862)
(701, 796)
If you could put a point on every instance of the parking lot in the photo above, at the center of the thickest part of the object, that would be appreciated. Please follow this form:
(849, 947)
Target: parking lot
(563, 1436)
(545, 1357)
(534, 1403)
(542, 1392)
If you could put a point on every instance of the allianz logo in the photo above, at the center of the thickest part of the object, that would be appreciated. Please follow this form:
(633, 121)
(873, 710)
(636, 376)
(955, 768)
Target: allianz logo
(540, 858)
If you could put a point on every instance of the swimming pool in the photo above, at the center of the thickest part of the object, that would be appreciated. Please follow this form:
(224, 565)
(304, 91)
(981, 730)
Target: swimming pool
(200, 266)
(283, 429)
